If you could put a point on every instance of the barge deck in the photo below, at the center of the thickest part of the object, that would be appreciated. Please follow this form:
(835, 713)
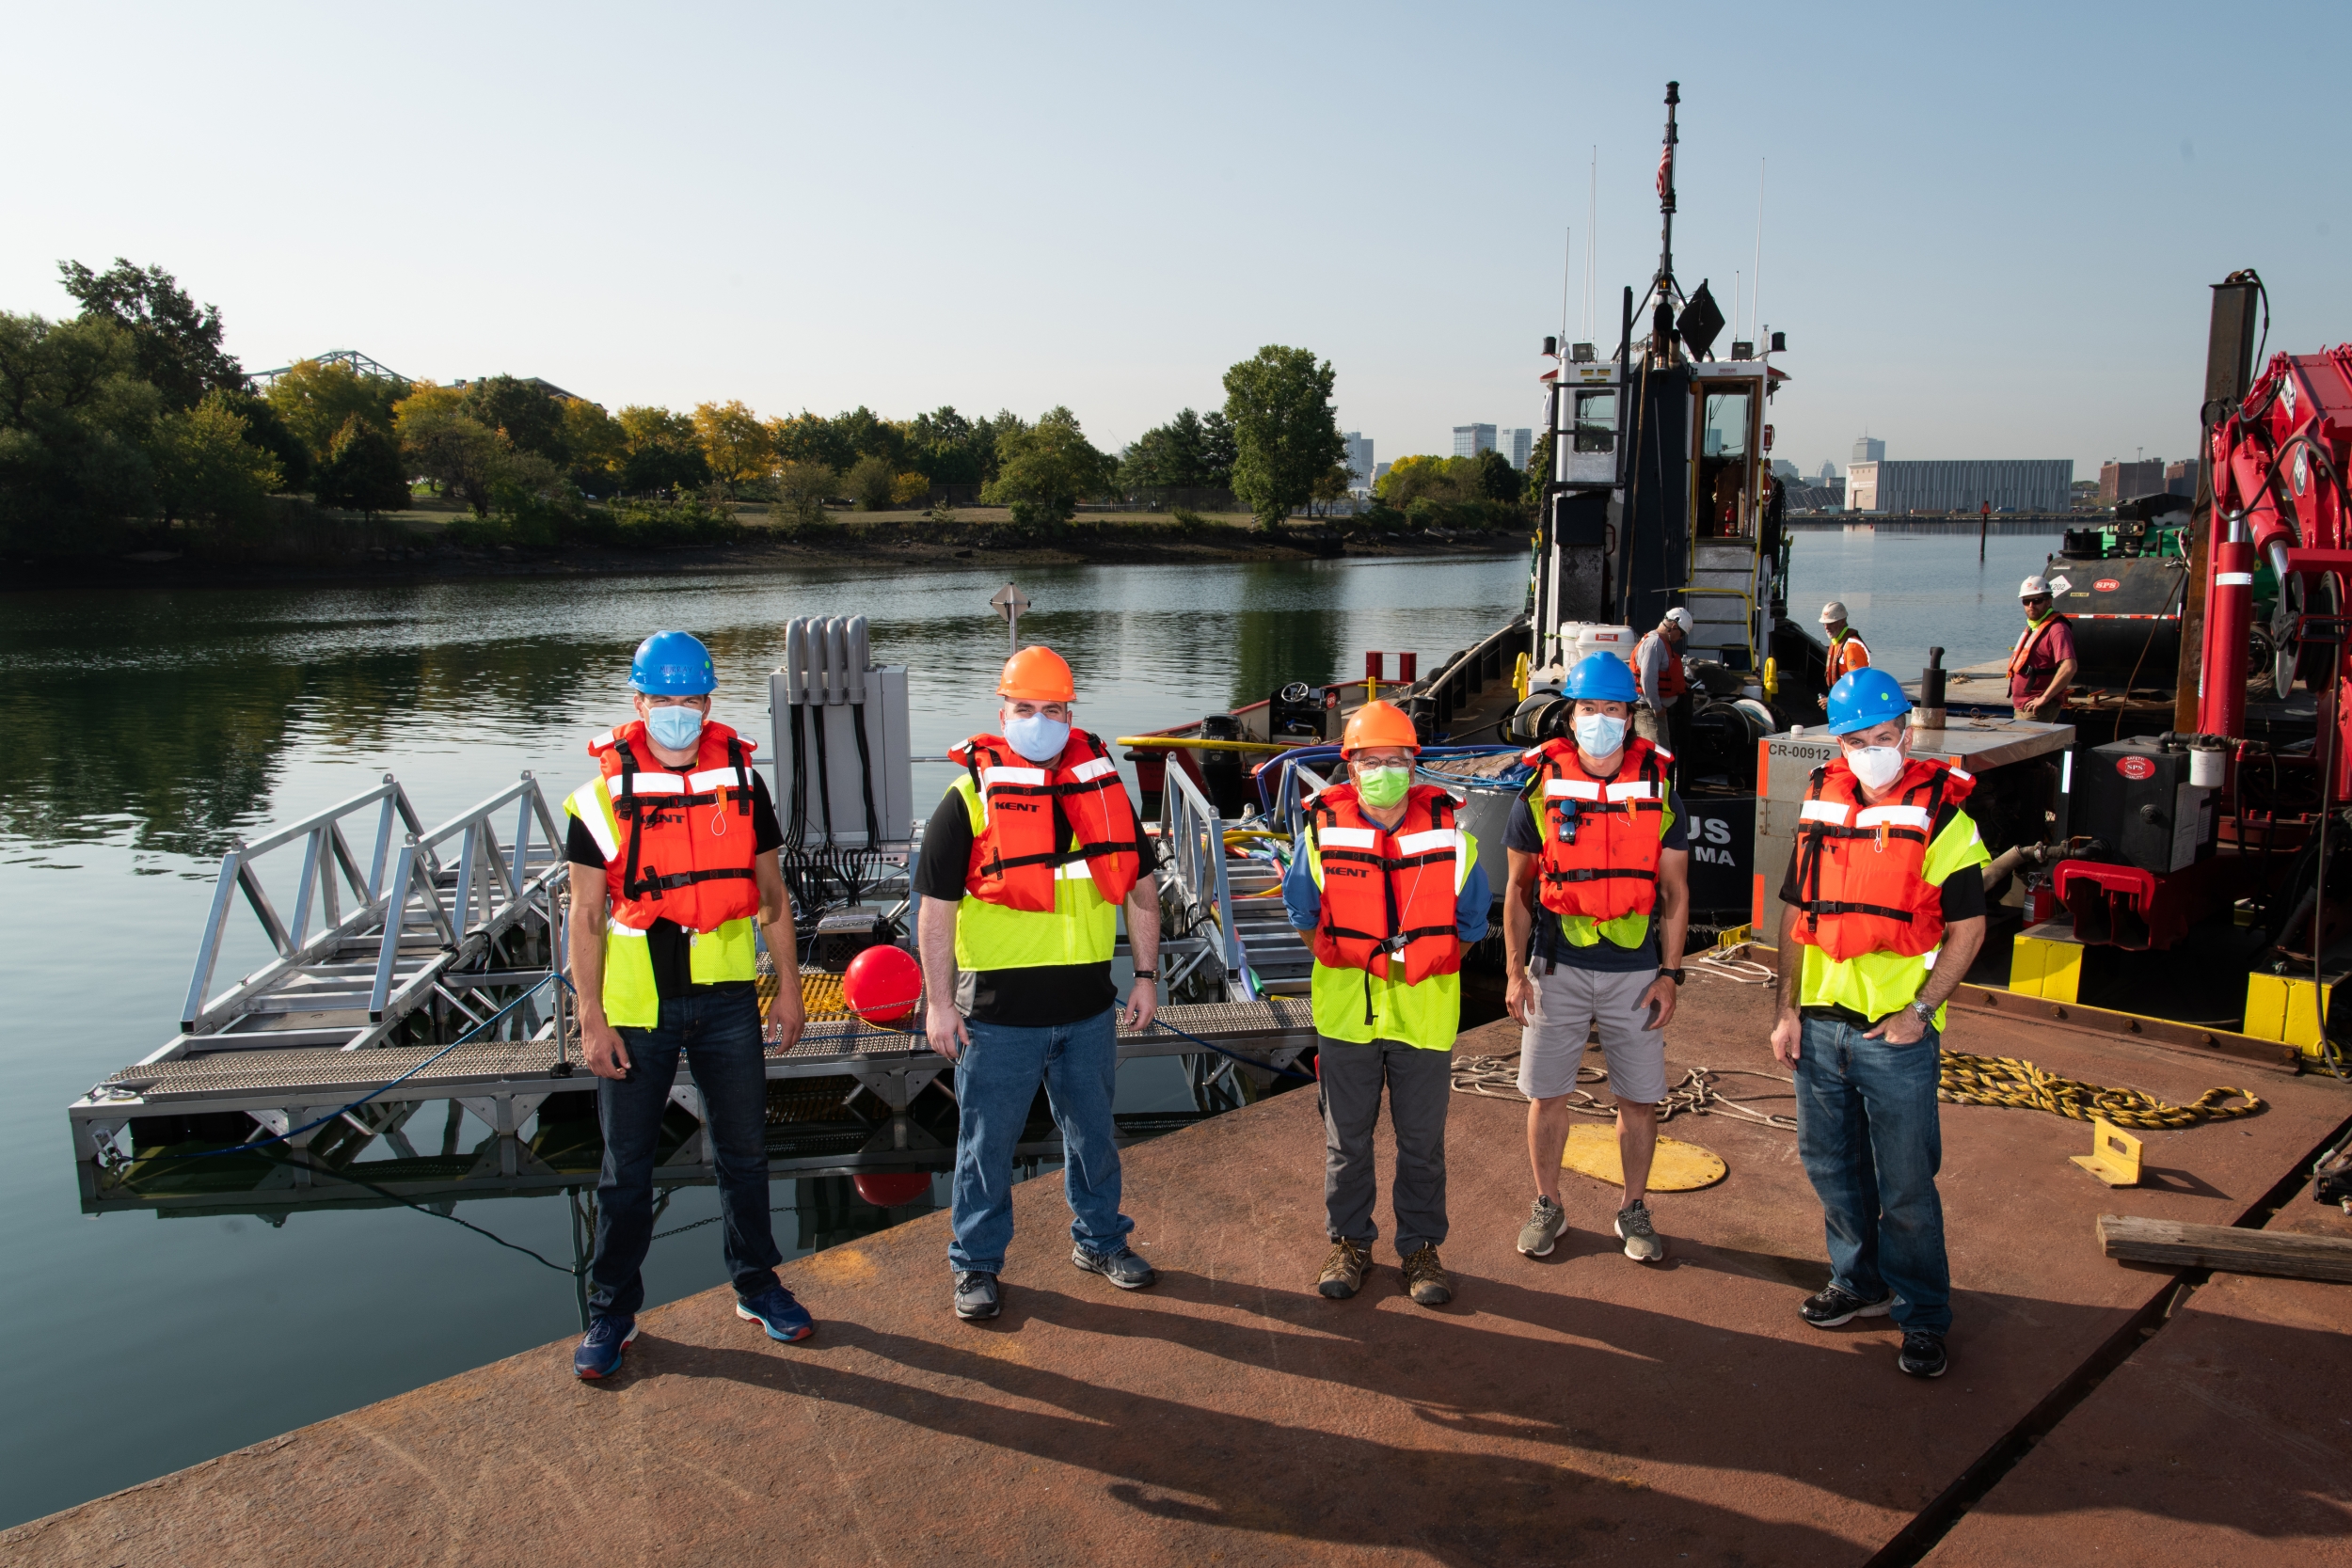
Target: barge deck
(1579, 1409)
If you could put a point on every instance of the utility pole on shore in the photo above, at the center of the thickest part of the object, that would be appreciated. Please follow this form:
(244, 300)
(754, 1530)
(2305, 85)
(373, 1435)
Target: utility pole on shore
(1984, 524)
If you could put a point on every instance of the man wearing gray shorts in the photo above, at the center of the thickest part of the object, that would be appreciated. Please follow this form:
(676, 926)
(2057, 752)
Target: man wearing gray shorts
(1602, 845)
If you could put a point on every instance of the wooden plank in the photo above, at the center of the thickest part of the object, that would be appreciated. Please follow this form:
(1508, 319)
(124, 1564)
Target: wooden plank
(2225, 1247)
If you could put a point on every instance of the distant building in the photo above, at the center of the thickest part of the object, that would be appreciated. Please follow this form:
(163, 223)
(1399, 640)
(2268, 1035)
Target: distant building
(1789, 471)
(2007, 484)
(2128, 482)
(1868, 451)
(1380, 471)
(2179, 479)
(1472, 439)
(1359, 459)
(1827, 474)
(1517, 445)
(1828, 497)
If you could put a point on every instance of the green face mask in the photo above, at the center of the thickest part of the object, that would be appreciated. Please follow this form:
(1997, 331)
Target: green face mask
(1383, 786)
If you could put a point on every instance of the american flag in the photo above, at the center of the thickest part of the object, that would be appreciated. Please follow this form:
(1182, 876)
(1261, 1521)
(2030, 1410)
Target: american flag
(1666, 176)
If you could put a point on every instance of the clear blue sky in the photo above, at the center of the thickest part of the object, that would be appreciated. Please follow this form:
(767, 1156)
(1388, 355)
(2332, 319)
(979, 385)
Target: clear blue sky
(1987, 233)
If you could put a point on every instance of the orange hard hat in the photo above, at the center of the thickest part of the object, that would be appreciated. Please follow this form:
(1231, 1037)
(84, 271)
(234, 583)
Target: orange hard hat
(1378, 724)
(1037, 674)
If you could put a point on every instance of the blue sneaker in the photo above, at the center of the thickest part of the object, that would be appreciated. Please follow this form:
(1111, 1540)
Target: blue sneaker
(600, 1354)
(774, 1310)
(1121, 1268)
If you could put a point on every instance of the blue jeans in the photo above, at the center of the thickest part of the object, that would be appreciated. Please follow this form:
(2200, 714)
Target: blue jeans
(718, 1032)
(1871, 1138)
(995, 1084)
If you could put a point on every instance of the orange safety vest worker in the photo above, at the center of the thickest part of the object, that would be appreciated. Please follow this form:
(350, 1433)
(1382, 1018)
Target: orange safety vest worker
(1861, 868)
(1030, 813)
(1847, 654)
(1601, 835)
(1672, 682)
(685, 846)
(1388, 893)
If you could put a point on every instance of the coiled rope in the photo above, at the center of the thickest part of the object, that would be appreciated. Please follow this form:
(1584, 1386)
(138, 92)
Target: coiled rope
(1498, 1078)
(1968, 1079)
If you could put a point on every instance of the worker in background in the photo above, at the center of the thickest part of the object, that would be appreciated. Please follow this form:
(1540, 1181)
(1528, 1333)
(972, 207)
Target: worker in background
(1847, 651)
(1026, 866)
(1885, 911)
(1390, 892)
(1603, 846)
(673, 850)
(1664, 719)
(2042, 666)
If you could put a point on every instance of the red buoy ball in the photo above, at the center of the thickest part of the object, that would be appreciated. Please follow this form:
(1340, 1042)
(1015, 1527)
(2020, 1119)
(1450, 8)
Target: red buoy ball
(891, 1189)
(882, 984)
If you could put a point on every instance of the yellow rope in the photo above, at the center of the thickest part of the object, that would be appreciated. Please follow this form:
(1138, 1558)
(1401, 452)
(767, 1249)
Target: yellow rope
(1968, 1079)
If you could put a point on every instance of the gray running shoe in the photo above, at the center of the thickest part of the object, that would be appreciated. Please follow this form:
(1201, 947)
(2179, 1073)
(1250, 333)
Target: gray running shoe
(1121, 1268)
(1544, 1224)
(977, 1296)
(1633, 1228)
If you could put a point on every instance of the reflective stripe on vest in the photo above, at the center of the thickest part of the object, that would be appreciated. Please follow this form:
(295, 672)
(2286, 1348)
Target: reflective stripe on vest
(1033, 821)
(1861, 868)
(1082, 928)
(1609, 869)
(1387, 895)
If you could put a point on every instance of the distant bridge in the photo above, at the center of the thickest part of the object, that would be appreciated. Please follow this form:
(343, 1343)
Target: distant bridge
(356, 362)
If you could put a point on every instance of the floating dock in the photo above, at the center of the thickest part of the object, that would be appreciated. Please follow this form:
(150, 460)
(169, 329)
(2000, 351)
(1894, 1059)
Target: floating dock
(1579, 1409)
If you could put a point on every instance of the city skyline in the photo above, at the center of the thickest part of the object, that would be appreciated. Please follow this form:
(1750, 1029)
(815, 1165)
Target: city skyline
(839, 257)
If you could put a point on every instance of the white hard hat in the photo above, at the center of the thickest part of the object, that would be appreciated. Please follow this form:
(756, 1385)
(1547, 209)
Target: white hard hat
(1680, 617)
(2033, 588)
(1833, 612)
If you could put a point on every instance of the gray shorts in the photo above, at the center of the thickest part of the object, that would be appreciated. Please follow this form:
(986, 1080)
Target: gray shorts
(1567, 1002)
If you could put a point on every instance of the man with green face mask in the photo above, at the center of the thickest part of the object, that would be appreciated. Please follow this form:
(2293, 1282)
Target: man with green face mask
(1391, 892)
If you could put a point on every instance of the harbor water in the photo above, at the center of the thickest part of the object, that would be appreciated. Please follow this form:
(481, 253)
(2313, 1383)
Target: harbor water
(156, 725)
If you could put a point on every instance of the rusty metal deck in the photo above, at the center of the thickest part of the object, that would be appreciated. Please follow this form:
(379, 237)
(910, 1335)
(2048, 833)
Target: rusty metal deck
(1577, 1409)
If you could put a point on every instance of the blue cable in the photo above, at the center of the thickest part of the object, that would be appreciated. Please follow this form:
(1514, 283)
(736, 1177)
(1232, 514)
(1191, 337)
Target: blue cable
(294, 1132)
(1262, 1066)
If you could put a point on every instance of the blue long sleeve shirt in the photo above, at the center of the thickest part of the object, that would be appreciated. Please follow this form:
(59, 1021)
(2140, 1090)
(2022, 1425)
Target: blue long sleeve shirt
(1303, 901)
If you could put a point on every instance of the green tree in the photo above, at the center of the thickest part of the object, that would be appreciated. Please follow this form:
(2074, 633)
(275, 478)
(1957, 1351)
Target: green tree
(1440, 481)
(176, 342)
(76, 420)
(205, 468)
(910, 488)
(1497, 481)
(734, 443)
(266, 430)
(1333, 485)
(662, 452)
(871, 483)
(1219, 450)
(1046, 469)
(1284, 435)
(363, 470)
(943, 445)
(598, 446)
(802, 489)
(1539, 466)
(529, 415)
(533, 496)
(315, 397)
(445, 444)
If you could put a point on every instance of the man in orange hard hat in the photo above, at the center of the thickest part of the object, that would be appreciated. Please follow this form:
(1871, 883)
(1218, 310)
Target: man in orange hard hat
(1390, 892)
(1026, 866)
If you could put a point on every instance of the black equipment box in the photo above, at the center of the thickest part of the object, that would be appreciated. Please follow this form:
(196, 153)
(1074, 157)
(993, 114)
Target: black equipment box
(2135, 797)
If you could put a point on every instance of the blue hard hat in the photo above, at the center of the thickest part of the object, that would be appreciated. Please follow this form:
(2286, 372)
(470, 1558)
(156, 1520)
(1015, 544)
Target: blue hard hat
(672, 664)
(1602, 678)
(1868, 697)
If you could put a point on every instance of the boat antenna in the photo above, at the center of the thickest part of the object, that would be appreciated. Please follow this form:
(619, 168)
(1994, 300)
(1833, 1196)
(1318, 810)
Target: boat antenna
(1592, 221)
(1568, 270)
(1661, 331)
(1755, 286)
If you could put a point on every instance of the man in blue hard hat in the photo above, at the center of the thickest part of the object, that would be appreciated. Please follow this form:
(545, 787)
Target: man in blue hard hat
(1884, 911)
(673, 850)
(1602, 843)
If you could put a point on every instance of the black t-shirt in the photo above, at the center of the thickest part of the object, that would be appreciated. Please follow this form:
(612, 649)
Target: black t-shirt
(1033, 998)
(666, 943)
(1521, 833)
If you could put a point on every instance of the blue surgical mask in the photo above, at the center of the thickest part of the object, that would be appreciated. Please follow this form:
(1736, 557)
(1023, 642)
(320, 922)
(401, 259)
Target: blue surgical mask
(1039, 738)
(1599, 734)
(673, 726)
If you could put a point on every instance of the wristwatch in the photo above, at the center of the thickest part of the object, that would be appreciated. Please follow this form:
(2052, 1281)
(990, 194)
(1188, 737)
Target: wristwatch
(1147, 975)
(1926, 1014)
(1673, 974)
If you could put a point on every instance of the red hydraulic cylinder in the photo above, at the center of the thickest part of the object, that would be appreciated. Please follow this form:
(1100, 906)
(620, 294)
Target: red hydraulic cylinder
(2229, 610)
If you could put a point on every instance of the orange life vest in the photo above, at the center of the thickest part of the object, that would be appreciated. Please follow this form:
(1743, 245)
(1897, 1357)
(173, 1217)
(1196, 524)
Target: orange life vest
(2020, 657)
(1601, 835)
(1841, 651)
(1672, 680)
(687, 846)
(1859, 867)
(1035, 819)
(1384, 893)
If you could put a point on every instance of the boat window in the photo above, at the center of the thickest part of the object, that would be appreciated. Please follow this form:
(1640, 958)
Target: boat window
(1725, 509)
(1597, 420)
(1725, 432)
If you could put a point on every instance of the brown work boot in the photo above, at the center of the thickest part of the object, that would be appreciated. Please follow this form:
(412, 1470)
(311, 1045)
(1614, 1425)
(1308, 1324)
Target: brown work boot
(1344, 1271)
(1425, 1278)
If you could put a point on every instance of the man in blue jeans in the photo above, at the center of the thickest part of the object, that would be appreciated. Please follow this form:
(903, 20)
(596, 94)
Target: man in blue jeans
(1884, 902)
(1026, 866)
(673, 852)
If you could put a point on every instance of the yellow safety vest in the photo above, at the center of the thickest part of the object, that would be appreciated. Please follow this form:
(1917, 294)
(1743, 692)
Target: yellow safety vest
(1358, 1006)
(632, 1000)
(1081, 928)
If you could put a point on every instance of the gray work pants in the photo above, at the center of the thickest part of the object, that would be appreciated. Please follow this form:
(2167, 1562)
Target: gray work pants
(1420, 1091)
